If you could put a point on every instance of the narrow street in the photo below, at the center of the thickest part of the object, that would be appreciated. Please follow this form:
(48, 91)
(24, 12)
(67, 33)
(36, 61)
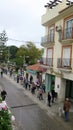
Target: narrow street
(28, 115)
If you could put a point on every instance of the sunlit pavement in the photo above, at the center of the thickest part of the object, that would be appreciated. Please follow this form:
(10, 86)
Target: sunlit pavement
(55, 111)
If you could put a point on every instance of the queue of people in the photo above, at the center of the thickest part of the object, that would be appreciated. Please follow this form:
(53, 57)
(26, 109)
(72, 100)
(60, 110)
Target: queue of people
(39, 87)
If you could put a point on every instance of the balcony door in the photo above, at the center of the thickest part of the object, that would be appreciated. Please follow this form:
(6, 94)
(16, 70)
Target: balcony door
(51, 34)
(69, 23)
(66, 56)
(69, 26)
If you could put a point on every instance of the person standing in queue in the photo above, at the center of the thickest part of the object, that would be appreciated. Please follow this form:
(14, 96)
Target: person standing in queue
(66, 108)
(49, 99)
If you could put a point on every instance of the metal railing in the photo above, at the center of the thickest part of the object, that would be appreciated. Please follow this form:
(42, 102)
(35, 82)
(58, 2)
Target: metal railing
(47, 39)
(46, 61)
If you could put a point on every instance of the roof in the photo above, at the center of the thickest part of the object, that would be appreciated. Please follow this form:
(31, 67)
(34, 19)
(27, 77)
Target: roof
(36, 67)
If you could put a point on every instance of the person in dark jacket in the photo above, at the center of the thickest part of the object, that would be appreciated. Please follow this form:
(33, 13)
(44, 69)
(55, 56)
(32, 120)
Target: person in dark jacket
(1, 72)
(31, 79)
(53, 95)
(17, 78)
(3, 94)
(49, 99)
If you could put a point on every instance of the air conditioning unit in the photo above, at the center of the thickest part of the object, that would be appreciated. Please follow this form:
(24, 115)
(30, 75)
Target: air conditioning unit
(58, 28)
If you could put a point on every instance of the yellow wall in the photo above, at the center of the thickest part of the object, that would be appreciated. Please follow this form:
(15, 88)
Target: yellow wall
(51, 13)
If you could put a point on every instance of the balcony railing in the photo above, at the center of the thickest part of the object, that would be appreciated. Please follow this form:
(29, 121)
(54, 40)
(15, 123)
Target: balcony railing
(46, 61)
(47, 39)
(68, 33)
(64, 63)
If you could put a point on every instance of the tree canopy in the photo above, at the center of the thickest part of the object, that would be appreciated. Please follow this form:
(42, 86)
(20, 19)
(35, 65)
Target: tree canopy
(26, 54)
(30, 53)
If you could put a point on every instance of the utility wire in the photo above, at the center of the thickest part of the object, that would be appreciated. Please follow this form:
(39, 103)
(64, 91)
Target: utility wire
(11, 39)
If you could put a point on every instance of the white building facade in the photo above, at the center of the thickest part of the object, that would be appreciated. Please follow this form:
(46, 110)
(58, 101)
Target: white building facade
(58, 46)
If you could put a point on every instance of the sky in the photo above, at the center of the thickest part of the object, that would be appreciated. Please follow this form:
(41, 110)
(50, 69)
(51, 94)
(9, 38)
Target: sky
(21, 19)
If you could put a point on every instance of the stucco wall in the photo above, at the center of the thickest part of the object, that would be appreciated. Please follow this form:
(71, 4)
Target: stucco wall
(51, 13)
(60, 85)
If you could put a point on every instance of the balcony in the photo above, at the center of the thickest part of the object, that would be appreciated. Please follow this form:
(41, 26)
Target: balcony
(67, 36)
(46, 62)
(47, 40)
(64, 63)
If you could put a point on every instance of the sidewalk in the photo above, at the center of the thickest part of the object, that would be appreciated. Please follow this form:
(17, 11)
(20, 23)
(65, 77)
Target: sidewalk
(53, 111)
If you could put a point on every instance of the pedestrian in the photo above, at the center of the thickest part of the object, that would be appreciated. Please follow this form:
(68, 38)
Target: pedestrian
(17, 78)
(33, 87)
(49, 99)
(3, 94)
(53, 95)
(21, 79)
(37, 84)
(1, 72)
(43, 86)
(66, 108)
(31, 79)
(40, 93)
(26, 83)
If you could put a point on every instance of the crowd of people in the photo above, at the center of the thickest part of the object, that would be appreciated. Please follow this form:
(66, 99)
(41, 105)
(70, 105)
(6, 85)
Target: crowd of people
(35, 86)
(30, 84)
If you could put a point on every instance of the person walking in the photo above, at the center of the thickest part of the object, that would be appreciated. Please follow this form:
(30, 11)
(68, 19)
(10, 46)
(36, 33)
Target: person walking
(31, 79)
(40, 93)
(66, 108)
(17, 78)
(53, 95)
(49, 99)
(1, 72)
(3, 95)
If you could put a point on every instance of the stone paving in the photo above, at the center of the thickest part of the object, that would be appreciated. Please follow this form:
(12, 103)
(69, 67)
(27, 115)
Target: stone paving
(55, 111)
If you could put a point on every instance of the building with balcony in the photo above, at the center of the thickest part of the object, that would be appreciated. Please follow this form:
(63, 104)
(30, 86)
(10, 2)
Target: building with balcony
(58, 47)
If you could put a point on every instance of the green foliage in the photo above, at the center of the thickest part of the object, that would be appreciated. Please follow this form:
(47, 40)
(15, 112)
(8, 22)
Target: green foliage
(12, 51)
(5, 121)
(26, 54)
(30, 53)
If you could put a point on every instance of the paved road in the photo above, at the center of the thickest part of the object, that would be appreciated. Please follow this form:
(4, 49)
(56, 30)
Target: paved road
(29, 116)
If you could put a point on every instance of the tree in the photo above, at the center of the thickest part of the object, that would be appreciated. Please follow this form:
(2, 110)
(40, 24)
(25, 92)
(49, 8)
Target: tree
(30, 53)
(3, 38)
(12, 51)
(20, 56)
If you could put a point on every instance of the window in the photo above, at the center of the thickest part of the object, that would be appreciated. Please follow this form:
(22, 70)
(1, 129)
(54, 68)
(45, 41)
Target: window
(69, 25)
(51, 34)
(44, 57)
(66, 56)
(50, 56)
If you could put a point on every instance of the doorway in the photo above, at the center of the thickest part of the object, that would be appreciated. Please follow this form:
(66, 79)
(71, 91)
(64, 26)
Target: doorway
(69, 89)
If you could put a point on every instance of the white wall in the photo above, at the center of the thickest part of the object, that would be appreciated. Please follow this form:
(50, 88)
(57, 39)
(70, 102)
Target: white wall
(60, 85)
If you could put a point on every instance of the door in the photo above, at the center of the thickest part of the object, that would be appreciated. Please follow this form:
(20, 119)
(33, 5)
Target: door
(69, 89)
(50, 82)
